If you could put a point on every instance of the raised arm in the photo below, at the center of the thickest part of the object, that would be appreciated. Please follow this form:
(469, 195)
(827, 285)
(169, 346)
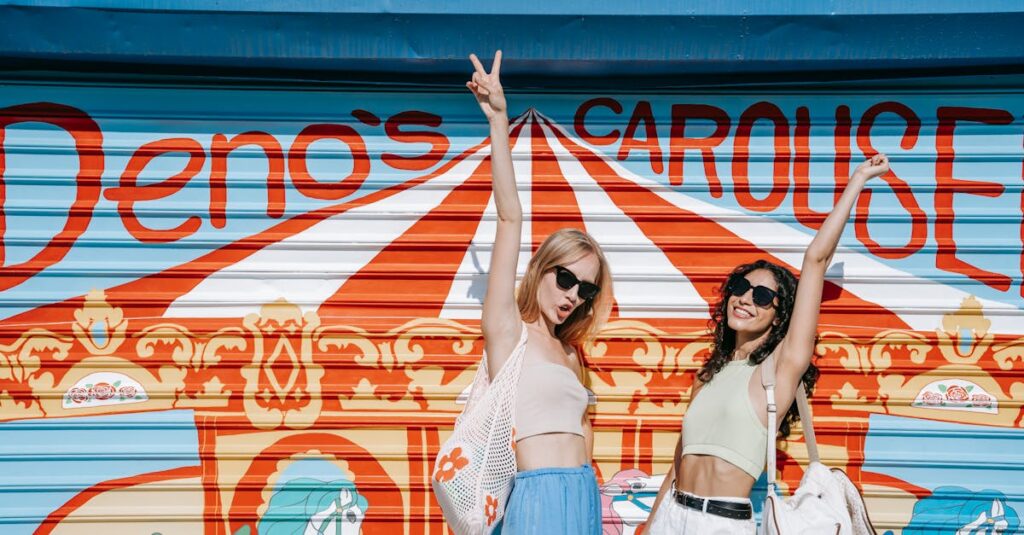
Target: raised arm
(501, 322)
(795, 351)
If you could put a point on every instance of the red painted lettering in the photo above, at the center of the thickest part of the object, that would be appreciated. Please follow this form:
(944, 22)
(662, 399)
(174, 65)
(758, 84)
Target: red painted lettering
(904, 192)
(679, 143)
(222, 146)
(438, 142)
(579, 121)
(642, 112)
(946, 186)
(332, 191)
(129, 192)
(841, 143)
(741, 157)
(801, 172)
(88, 141)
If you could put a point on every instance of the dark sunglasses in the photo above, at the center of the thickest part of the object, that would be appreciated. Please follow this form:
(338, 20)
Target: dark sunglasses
(763, 295)
(566, 280)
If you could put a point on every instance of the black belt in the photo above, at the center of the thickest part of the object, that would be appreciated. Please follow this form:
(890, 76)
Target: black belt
(733, 510)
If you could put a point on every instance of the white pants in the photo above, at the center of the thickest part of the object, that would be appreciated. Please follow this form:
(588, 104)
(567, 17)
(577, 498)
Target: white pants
(671, 518)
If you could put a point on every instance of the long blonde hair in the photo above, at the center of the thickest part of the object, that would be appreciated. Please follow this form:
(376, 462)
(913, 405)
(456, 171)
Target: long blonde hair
(563, 247)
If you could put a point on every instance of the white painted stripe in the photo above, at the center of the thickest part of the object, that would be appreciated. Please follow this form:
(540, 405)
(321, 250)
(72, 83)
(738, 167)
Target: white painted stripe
(921, 305)
(307, 276)
(646, 283)
(466, 296)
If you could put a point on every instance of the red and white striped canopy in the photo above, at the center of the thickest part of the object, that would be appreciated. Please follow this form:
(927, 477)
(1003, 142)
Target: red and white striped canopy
(421, 248)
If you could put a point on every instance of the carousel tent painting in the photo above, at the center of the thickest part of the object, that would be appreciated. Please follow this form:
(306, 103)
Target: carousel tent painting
(300, 378)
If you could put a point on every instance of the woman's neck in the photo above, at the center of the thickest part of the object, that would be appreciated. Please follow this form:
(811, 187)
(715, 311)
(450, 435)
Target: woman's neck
(747, 344)
(542, 324)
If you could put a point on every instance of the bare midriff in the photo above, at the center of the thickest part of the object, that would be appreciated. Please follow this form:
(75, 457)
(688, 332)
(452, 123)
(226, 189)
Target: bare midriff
(551, 450)
(706, 475)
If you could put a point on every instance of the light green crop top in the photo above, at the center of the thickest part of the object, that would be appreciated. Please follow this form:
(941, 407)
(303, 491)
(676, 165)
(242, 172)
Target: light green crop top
(721, 422)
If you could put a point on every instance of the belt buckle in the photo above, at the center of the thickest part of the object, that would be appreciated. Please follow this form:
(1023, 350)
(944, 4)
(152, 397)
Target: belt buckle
(679, 497)
(691, 501)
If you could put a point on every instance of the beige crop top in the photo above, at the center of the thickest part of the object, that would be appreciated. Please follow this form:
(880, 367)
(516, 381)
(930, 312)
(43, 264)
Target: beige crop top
(721, 421)
(550, 399)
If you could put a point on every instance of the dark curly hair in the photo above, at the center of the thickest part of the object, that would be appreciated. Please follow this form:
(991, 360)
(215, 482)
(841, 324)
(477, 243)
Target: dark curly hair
(725, 338)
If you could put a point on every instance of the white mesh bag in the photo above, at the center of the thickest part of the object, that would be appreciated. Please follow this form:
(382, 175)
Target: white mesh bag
(475, 467)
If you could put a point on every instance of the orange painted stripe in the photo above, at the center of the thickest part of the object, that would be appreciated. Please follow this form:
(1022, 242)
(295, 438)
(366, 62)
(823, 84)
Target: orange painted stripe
(553, 202)
(432, 445)
(80, 499)
(417, 478)
(645, 448)
(213, 509)
(627, 452)
(660, 221)
(874, 478)
(438, 242)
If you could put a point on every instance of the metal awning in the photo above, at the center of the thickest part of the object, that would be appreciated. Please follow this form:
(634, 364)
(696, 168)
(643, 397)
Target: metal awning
(389, 40)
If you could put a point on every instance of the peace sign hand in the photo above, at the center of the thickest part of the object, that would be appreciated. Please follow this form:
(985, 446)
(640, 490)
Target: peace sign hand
(487, 87)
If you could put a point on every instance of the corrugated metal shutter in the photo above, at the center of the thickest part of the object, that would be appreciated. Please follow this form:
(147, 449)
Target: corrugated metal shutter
(230, 310)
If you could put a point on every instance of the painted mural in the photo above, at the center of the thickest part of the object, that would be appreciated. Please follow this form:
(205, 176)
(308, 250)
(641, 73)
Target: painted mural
(253, 310)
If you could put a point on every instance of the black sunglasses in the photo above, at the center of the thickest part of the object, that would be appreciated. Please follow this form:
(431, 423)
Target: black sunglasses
(763, 295)
(567, 279)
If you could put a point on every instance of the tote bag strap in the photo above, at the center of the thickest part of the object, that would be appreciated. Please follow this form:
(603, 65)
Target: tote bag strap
(803, 407)
(482, 383)
(515, 358)
(505, 387)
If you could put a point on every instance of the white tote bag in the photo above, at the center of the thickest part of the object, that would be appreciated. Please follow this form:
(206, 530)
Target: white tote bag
(475, 467)
(826, 501)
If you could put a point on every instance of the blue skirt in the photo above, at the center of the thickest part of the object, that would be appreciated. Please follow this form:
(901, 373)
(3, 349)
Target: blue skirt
(554, 501)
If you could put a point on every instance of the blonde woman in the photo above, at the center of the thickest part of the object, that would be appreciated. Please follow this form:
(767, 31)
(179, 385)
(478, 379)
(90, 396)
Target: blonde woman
(563, 297)
(762, 312)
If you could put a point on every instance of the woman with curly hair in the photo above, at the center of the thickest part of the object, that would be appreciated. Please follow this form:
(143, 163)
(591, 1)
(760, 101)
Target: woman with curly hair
(762, 312)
